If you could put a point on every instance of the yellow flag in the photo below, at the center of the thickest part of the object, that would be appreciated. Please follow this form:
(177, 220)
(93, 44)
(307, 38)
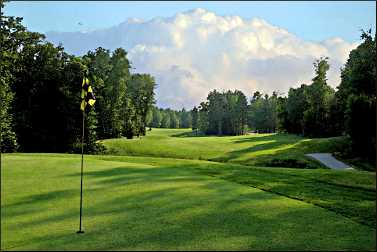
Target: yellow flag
(87, 95)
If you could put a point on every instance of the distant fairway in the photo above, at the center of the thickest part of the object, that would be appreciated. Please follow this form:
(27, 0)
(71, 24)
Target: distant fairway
(145, 203)
(254, 149)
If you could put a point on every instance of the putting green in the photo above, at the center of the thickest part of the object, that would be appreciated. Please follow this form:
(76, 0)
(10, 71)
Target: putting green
(152, 204)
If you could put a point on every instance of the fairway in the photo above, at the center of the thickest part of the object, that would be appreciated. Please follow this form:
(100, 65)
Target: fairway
(146, 203)
(252, 149)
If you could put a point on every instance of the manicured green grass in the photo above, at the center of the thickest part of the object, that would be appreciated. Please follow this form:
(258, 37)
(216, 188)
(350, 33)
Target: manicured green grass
(256, 149)
(350, 193)
(144, 203)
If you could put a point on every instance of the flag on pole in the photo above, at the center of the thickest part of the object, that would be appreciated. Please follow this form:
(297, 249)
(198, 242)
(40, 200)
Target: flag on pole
(87, 101)
(87, 96)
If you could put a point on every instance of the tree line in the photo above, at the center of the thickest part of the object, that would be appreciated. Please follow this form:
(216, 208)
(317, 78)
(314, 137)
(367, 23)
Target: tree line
(317, 110)
(314, 110)
(168, 118)
(40, 93)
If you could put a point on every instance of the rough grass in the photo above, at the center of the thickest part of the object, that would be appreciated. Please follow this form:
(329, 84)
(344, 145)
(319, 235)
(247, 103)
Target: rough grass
(144, 203)
(273, 150)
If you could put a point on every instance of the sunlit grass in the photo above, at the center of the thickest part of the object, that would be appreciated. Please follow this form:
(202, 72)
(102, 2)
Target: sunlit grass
(145, 203)
(255, 149)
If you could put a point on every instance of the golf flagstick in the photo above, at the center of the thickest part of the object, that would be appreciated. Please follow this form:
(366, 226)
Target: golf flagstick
(1, 196)
(88, 100)
(82, 170)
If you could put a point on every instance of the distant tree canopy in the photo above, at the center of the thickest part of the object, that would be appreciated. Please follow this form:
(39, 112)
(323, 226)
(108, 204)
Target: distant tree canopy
(262, 116)
(168, 118)
(222, 114)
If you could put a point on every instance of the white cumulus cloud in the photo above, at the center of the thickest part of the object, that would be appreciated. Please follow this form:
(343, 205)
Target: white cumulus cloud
(196, 51)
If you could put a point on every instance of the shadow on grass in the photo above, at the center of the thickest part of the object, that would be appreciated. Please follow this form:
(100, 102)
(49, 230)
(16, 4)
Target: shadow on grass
(186, 210)
(355, 202)
(168, 219)
(292, 156)
(191, 134)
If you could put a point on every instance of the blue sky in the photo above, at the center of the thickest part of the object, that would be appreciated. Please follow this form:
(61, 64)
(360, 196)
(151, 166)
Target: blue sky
(195, 47)
(313, 21)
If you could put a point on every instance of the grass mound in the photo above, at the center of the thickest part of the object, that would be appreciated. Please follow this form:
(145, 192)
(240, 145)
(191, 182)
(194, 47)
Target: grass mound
(283, 150)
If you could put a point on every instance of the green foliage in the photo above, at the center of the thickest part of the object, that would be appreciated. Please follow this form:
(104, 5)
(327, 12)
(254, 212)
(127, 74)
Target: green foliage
(157, 117)
(13, 37)
(296, 105)
(195, 118)
(168, 118)
(40, 87)
(185, 119)
(361, 124)
(165, 122)
(318, 95)
(357, 98)
(141, 95)
(310, 110)
(262, 113)
(222, 114)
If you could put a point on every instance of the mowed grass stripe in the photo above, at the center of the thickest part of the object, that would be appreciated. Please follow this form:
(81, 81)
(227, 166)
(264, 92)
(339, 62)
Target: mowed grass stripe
(349, 193)
(158, 205)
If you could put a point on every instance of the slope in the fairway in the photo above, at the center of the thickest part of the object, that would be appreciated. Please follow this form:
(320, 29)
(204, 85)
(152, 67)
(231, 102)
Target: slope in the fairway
(282, 150)
(154, 204)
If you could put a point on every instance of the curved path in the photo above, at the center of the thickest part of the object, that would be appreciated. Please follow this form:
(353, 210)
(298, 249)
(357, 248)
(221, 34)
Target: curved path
(328, 160)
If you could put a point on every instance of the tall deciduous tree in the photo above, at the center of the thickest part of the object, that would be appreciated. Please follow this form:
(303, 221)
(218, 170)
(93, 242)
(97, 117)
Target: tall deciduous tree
(13, 38)
(357, 97)
(318, 96)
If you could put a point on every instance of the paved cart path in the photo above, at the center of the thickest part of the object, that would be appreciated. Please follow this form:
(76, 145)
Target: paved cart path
(328, 160)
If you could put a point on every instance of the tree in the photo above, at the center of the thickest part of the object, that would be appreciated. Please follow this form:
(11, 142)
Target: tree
(318, 95)
(174, 121)
(157, 118)
(262, 115)
(116, 91)
(282, 115)
(149, 118)
(165, 123)
(13, 37)
(99, 66)
(185, 119)
(296, 105)
(40, 93)
(222, 113)
(356, 97)
(195, 118)
(203, 117)
(216, 112)
(141, 93)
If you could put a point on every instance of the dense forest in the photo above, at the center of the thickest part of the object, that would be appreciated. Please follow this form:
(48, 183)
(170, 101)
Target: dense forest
(40, 94)
(169, 118)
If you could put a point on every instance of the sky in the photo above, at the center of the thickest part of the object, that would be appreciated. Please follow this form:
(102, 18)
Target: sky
(194, 47)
